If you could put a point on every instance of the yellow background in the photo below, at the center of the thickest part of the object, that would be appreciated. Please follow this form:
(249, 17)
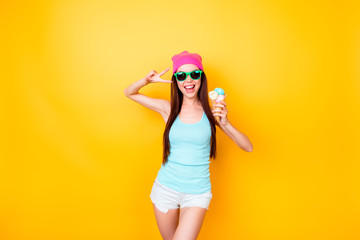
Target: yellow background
(78, 158)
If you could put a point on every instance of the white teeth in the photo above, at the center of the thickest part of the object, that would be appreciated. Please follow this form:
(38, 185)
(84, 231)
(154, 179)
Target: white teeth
(187, 87)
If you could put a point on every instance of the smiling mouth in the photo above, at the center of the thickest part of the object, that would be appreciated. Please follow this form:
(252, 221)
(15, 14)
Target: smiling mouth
(188, 87)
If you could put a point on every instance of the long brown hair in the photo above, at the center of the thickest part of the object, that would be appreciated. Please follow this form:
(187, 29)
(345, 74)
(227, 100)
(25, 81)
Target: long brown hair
(176, 103)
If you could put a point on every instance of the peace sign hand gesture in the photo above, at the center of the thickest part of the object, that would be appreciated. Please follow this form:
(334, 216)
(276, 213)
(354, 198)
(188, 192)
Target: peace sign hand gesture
(153, 76)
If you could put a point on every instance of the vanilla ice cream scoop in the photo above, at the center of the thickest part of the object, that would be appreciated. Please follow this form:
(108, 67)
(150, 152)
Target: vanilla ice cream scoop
(213, 95)
(217, 96)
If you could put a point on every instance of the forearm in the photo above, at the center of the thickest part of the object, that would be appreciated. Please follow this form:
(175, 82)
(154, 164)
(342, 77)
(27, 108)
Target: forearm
(135, 87)
(238, 137)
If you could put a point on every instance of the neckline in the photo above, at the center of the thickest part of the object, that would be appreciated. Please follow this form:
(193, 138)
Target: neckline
(192, 123)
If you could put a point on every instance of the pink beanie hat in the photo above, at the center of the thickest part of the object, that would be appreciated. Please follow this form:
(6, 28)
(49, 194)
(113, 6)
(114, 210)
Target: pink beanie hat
(186, 58)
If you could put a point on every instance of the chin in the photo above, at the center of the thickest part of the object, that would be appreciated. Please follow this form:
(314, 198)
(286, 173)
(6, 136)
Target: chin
(191, 94)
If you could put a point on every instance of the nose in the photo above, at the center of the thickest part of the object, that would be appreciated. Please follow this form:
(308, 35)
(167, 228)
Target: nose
(188, 79)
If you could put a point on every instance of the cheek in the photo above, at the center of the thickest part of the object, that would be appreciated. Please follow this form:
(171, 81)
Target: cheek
(179, 86)
(181, 89)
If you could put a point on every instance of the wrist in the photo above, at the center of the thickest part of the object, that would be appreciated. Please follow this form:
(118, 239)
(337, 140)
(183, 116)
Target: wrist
(227, 124)
(145, 81)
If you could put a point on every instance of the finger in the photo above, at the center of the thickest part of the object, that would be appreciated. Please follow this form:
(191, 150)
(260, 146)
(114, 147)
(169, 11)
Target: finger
(216, 110)
(164, 71)
(165, 81)
(221, 113)
(218, 114)
(162, 80)
(220, 105)
(225, 111)
(222, 102)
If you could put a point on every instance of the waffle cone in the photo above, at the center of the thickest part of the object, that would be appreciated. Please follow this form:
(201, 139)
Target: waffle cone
(217, 118)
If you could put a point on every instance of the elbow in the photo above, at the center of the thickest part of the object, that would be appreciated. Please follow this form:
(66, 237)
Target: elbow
(126, 93)
(248, 149)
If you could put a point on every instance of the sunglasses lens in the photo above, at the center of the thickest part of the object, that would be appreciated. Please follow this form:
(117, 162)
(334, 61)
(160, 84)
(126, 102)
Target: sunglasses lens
(181, 76)
(195, 74)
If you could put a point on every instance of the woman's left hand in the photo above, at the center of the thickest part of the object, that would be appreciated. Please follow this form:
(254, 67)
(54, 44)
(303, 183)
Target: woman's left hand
(221, 112)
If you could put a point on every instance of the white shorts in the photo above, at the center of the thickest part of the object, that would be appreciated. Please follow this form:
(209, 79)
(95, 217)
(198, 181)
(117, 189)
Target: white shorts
(166, 198)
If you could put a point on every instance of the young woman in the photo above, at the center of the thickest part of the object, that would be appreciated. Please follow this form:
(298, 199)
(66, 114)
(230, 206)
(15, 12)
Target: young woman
(189, 142)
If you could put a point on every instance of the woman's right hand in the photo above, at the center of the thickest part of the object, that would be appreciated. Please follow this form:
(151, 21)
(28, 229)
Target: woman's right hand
(153, 76)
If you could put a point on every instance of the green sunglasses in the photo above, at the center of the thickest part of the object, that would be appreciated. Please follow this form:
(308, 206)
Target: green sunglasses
(181, 76)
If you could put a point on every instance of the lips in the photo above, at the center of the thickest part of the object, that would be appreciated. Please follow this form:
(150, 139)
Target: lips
(190, 88)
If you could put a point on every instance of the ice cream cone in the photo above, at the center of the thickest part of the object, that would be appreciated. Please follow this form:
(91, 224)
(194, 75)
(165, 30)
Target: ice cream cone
(216, 96)
(217, 118)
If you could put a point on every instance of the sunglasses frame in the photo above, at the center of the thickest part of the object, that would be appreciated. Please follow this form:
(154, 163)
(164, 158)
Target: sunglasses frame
(187, 74)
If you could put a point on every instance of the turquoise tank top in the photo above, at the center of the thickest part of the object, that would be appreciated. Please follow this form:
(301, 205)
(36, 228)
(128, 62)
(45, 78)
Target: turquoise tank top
(187, 168)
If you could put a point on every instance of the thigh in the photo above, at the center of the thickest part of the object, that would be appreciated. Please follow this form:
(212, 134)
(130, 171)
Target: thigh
(166, 222)
(190, 222)
(166, 208)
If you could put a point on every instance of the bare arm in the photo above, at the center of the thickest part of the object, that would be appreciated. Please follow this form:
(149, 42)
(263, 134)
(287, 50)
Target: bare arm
(238, 137)
(132, 91)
